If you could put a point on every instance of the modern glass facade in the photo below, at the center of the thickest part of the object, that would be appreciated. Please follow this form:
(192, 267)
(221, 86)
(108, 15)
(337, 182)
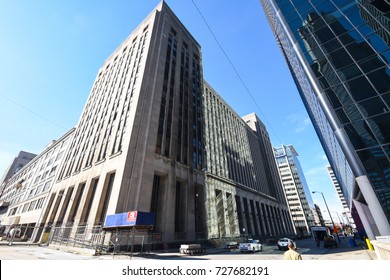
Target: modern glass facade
(295, 188)
(338, 53)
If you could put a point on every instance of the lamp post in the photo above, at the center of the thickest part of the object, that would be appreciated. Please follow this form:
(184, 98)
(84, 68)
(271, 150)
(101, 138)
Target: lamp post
(346, 218)
(340, 220)
(331, 219)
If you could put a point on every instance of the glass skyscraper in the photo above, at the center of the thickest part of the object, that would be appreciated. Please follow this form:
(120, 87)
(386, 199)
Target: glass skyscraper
(338, 53)
(295, 188)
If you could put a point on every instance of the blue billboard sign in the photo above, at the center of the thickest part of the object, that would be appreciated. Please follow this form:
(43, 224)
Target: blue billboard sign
(130, 219)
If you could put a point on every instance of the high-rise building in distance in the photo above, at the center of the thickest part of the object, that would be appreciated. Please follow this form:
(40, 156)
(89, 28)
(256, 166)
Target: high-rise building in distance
(19, 161)
(338, 53)
(346, 214)
(295, 189)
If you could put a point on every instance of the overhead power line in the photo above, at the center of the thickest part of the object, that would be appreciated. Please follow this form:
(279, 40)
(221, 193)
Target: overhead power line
(234, 69)
(31, 111)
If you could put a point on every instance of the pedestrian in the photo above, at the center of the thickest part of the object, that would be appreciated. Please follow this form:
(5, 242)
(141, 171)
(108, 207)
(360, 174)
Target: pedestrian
(11, 236)
(291, 253)
(317, 242)
(11, 232)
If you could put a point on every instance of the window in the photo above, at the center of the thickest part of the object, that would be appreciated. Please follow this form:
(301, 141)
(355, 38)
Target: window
(38, 189)
(32, 205)
(31, 193)
(43, 166)
(52, 171)
(45, 174)
(37, 179)
(47, 186)
(40, 203)
(25, 206)
(13, 211)
(59, 156)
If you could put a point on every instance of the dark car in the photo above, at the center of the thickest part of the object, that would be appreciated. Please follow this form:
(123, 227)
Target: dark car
(330, 242)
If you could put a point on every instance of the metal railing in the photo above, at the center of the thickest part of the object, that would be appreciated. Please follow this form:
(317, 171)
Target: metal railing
(95, 237)
(80, 236)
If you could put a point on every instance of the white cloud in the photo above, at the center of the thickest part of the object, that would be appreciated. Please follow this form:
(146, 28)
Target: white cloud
(300, 121)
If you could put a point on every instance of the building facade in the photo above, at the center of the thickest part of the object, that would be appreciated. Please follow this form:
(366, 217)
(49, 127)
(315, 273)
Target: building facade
(338, 54)
(154, 137)
(138, 145)
(243, 189)
(295, 189)
(346, 214)
(20, 160)
(318, 218)
(26, 194)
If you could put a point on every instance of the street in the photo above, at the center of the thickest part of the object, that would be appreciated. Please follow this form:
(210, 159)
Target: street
(306, 247)
(215, 263)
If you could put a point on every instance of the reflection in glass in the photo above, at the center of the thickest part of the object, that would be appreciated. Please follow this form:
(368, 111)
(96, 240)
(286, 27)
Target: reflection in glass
(346, 43)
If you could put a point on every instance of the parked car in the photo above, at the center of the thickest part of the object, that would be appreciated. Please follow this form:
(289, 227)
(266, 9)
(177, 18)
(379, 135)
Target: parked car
(283, 243)
(330, 241)
(251, 245)
(231, 245)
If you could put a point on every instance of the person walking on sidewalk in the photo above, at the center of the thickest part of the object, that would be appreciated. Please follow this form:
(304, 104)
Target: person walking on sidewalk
(291, 253)
(11, 236)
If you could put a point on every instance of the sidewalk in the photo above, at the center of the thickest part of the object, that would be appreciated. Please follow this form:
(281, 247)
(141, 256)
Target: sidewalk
(344, 251)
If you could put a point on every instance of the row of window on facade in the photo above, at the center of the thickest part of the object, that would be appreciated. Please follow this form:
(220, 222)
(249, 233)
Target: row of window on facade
(11, 193)
(103, 134)
(29, 206)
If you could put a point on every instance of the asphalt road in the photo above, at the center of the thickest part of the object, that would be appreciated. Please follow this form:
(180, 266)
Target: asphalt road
(306, 247)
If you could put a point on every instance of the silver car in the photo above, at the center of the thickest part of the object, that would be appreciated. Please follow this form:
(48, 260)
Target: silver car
(283, 243)
(252, 245)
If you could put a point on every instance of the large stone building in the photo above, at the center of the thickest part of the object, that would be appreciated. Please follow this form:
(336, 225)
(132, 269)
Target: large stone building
(243, 189)
(338, 53)
(153, 137)
(26, 194)
(139, 144)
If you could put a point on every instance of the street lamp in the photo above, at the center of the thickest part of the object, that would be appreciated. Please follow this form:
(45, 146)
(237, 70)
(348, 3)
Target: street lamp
(340, 220)
(344, 215)
(328, 211)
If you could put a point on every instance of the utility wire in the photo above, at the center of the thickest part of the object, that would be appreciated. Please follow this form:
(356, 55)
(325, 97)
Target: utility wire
(234, 68)
(32, 112)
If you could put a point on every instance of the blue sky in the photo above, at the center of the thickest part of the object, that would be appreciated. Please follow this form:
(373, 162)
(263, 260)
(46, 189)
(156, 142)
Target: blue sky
(50, 52)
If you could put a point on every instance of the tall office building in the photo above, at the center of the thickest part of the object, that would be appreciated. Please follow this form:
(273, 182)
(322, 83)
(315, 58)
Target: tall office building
(318, 218)
(140, 146)
(346, 214)
(338, 54)
(295, 189)
(244, 194)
